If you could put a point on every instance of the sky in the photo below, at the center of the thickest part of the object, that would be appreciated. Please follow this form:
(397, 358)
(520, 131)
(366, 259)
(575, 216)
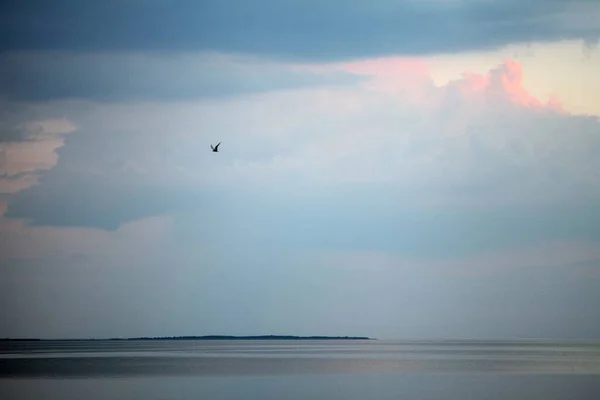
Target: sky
(393, 169)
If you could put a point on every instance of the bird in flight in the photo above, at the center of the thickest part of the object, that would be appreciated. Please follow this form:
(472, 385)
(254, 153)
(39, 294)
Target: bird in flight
(216, 148)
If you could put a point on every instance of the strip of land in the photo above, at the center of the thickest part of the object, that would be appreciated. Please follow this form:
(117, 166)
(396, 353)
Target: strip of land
(209, 337)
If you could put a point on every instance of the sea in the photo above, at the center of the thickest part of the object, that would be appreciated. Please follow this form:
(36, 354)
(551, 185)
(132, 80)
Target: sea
(299, 369)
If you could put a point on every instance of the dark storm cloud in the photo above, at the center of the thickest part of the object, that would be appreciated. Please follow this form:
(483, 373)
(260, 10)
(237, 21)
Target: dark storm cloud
(41, 76)
(307, 29)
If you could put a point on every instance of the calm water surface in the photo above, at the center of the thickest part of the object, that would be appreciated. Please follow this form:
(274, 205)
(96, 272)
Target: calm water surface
(299, 370)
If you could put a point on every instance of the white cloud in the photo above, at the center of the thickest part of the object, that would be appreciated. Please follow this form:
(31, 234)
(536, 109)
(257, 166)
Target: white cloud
(478, 140)
(484, 134)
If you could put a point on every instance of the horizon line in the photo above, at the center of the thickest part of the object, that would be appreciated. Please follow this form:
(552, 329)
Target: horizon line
(198, 337)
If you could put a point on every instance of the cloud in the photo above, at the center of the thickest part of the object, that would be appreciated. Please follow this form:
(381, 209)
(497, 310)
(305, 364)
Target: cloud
(481, 137)
(98, 202)
(363, 185)
(29, 150)
(139, 76)
(115, 282)
(346, 225)
(13, 134)
(145, 241)
(125, 264)
(397, 164)
(307, 30)
(468, 112)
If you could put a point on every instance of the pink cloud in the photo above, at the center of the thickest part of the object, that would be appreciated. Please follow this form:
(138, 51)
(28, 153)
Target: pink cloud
(506, 82)
(412, 79)
(21, 161)
(482, 130)
(393, 74)
(406, 76)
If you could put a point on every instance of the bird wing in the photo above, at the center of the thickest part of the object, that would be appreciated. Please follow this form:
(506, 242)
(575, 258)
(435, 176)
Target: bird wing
(217, 146)
(211, 146)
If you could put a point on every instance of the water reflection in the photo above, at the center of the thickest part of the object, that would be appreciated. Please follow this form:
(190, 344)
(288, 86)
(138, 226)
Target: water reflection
(123, 358)
(298, 370)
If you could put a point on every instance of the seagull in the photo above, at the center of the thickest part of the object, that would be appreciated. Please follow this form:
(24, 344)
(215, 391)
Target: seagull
(216, 148)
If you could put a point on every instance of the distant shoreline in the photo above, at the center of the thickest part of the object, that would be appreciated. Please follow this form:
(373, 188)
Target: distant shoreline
(207, 337)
